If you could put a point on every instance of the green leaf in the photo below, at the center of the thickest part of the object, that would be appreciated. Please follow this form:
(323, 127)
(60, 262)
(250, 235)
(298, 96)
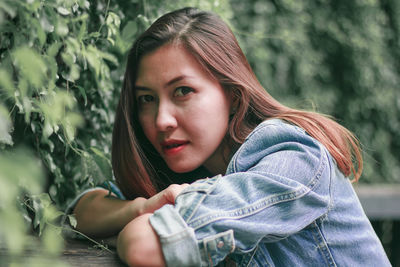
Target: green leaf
(143, 20)
(69, 130)
(108, 56)
(92, 56)
(45, 24)
(112, 42)
(129, 31)
(83, 93)
(10, 10)
(47, 130)
(52, 213)
(53, 49)
(74, 72)
(99, 153)
(31, 65)
(51, 238)
(72, 220)
(62, 27)
(39, 204)
(94, 35)
(40, 32)
(63, 11)
(27, 103)
(82, 31)
(5, 127)
(68, 58)
(6, 83)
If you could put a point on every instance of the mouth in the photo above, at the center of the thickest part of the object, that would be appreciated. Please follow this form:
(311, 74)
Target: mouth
(172, 147)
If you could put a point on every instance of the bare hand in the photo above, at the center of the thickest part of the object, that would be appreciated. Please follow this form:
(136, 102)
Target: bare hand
(167, 196)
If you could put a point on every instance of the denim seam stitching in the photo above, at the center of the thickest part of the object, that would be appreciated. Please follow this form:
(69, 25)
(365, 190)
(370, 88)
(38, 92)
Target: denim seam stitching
(331, 198)
(252, 256)
(323, 246)
(250, 209)
(321, 168)
(201, 199)
(195, 208)
(175, 237)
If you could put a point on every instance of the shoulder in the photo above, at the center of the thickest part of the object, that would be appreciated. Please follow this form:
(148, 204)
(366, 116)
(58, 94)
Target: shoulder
(274, 130)
(281, 147)
(275, 133)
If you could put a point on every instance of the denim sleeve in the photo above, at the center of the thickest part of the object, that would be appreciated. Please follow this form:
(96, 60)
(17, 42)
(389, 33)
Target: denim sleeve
(108, 185)
(276, 184)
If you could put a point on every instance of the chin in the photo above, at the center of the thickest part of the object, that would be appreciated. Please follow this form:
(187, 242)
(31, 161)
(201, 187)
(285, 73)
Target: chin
(183, 169)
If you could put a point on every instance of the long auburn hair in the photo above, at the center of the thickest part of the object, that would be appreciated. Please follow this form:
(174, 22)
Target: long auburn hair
(140, 170)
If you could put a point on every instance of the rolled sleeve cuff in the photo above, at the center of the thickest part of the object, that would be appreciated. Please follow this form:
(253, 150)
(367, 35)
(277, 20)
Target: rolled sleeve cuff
(178, 241)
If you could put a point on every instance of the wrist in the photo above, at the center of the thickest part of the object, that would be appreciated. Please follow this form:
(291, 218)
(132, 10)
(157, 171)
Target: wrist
(137, 207)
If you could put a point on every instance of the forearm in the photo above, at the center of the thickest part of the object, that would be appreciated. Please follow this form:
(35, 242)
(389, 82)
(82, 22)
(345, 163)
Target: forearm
(139, 245)
(101, 215)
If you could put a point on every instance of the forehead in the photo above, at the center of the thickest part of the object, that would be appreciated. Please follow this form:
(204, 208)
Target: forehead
(168, 62)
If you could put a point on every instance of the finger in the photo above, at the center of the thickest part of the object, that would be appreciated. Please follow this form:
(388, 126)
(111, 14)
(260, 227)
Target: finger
(173, 191)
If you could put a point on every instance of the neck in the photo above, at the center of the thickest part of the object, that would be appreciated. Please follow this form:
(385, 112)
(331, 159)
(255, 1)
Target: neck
(218, 162)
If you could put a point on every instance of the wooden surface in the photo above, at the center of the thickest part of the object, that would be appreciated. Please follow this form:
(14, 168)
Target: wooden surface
(84, 253)
(79, 253)
(380, 201)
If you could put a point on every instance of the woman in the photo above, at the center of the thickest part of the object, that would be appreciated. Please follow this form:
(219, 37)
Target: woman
(192, 107)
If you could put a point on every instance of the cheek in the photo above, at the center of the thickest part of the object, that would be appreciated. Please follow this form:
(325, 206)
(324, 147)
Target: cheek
(148, 128)
(212, 115)
(221, 108)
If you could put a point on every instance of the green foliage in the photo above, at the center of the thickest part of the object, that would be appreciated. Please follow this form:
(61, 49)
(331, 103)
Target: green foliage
(16, 184)
(61, 68)
(343, 56)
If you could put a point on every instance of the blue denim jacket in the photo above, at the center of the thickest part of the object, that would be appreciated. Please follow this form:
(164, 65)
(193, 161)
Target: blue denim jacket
(281, 202)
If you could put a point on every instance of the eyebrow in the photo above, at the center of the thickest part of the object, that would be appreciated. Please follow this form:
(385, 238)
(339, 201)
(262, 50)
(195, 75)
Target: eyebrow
(172, 81)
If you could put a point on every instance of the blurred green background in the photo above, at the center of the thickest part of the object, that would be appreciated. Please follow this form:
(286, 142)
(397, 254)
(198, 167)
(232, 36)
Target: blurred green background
(341, 57)
(61, 67)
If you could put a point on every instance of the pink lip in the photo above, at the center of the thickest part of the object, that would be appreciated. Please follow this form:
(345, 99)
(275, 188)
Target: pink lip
(172, 147)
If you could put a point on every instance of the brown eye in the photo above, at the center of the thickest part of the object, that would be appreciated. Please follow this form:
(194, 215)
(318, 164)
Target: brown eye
(143, 99)
(182, 91)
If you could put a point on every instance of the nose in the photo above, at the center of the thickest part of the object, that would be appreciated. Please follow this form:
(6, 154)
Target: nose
(165, 119)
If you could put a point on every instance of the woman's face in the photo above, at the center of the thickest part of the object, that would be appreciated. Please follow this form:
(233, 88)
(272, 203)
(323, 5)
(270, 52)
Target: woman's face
(183, 110)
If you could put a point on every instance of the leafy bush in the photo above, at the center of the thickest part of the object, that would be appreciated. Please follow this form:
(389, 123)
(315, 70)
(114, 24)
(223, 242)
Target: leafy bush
(61, 69)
